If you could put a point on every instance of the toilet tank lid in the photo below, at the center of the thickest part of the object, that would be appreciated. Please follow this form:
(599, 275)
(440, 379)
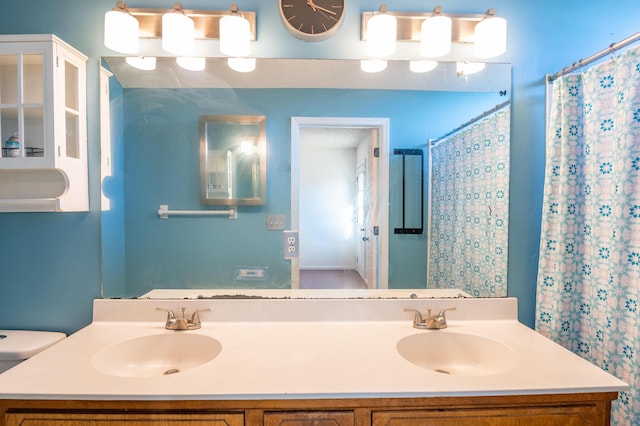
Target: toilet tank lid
(17, 345)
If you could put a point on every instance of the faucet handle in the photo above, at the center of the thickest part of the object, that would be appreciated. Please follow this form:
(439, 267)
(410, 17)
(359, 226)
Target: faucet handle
(195, 317)
(442, 319)
(172, 323)
(170, 314)
(441, 314)
(417, 319)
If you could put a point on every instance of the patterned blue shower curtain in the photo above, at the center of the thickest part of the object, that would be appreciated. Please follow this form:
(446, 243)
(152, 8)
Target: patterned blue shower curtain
(468, 238)
(589, 269)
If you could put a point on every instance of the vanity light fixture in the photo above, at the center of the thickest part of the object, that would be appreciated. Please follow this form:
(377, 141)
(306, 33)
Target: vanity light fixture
(191, 63)
(436, 32)
(373, 65)
(382, 33)
(242, 64)
(235, 34)
(490, 38)
(177, 32)
(435, 35)
(466, 68)
(121, 30)
(422, 66)
(145, 63)
(177, 28)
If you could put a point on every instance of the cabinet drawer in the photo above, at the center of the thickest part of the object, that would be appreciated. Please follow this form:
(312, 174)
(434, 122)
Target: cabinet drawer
(309, 418)
(146, 419)
(539, 416)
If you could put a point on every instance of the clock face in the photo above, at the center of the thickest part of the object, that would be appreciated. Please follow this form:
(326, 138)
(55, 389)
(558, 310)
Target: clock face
(312, 20)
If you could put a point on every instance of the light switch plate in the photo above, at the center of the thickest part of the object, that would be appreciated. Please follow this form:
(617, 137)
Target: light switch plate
(276, 222)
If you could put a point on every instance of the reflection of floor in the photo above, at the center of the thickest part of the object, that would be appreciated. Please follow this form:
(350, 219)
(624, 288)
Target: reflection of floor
(329, 279)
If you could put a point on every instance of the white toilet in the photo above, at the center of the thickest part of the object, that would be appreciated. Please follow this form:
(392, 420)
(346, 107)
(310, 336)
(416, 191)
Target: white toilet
(18, 345)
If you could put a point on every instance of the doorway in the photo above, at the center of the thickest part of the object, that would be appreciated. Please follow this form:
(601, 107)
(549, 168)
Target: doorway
(339, 199)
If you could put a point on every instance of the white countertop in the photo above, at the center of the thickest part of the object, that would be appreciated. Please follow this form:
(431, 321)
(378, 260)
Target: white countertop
(275, 349)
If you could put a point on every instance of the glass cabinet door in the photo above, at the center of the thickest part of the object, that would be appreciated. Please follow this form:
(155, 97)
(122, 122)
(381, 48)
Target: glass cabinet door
(71, 110)
(22, 105)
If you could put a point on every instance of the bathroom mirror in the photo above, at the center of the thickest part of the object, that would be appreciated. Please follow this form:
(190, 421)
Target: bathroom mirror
(233, 167)
(155, 131)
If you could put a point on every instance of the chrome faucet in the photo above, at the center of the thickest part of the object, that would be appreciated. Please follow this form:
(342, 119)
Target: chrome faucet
(432, 322)
(175, 323)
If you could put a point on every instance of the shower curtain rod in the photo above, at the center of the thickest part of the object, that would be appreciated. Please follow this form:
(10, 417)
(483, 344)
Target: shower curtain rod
(583, 62)
(473, 120)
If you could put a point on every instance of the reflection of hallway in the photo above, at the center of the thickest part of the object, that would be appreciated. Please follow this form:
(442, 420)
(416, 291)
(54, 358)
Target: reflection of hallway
(330, 279)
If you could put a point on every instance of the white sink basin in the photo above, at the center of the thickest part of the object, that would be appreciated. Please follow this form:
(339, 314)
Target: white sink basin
(457, 353)
(156, 355)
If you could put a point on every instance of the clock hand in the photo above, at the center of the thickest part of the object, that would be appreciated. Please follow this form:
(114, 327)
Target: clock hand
(331, 12)
(328, 16)
(315, 6)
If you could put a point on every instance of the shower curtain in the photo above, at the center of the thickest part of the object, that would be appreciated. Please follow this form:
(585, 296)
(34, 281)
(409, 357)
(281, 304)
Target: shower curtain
(589, 267)
(468, 236)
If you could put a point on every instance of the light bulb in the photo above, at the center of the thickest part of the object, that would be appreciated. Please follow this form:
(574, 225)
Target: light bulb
(177, 33)
(435, 39)
(145, 63)
(373, 65)
(382, 31)
(242, 64)
(248, 148)
(121, 31)
(490, 37)
(235, 35)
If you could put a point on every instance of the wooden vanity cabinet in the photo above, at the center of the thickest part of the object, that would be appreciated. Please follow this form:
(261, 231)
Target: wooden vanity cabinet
(589, 409)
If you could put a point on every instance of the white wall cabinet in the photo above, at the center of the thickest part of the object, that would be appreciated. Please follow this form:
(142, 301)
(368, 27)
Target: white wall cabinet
(43, 106)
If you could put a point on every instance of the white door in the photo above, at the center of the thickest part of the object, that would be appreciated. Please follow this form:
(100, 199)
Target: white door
(375, 253)
(367, 208)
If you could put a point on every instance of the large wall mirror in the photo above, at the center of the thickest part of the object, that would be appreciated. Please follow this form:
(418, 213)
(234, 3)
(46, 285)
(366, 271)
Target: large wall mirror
(151, 158)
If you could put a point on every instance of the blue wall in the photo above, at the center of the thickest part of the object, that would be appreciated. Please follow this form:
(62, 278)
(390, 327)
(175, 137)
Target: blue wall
(50, 263)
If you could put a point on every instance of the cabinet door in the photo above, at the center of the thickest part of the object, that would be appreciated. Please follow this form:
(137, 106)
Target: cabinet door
(89, 419)
(22, 105)
(540, 416)
(70, 108)
(309, 418)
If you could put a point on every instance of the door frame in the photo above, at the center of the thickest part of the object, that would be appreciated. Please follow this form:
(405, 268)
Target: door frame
(382, 127)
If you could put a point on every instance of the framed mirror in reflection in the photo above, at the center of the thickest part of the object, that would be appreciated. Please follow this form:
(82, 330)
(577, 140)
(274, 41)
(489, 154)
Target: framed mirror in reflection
(155, 132)
(233, 162)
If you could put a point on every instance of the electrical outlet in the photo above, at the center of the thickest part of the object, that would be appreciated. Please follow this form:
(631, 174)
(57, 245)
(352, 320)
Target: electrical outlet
(290, 242)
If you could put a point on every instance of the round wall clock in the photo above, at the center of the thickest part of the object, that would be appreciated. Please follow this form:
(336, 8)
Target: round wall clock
(312, 20)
